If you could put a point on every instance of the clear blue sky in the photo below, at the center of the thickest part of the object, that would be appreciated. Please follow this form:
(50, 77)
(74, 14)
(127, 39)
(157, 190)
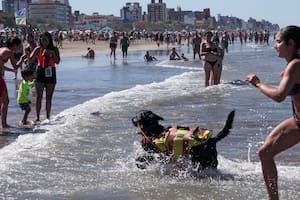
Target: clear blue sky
(276, 11)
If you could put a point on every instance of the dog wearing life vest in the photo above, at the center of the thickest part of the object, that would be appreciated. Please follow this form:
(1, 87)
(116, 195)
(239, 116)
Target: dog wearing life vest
(196, 144)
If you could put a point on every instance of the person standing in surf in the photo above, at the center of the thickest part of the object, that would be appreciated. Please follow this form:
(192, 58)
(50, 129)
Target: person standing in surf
(124, 44)
(217, 69)
(113, 45)
(196, 42)
(209, 51)
(48, 56)
(287, 133)
(7, 53)
(24, 92)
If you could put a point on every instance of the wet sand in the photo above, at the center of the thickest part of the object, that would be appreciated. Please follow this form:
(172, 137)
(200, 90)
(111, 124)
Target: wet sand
(79, 48)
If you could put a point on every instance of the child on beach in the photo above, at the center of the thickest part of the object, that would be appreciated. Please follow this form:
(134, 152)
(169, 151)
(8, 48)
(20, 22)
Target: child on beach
(24, 91)
(184, 58)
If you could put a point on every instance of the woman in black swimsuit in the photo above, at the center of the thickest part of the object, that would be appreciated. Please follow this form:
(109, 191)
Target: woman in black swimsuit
(287, 133)
(209, 51)
(217, 69)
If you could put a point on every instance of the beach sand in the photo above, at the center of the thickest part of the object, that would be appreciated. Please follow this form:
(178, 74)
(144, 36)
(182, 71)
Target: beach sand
(79, 48)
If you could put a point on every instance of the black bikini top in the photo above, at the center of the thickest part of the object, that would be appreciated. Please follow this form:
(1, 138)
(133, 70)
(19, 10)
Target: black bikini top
(295, 90)
(209, 49)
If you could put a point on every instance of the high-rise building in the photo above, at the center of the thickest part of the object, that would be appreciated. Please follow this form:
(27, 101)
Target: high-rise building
(157, 12)
(131, 12)
(51, 11)
(175, 16)
(11, 6)
(44, 1)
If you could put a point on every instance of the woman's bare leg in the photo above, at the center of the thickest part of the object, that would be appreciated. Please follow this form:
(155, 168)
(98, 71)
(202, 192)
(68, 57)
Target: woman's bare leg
(284, 136)
(49, 94)
(39, 96)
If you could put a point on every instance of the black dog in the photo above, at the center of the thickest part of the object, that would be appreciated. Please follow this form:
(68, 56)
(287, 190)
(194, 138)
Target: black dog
(202, 151)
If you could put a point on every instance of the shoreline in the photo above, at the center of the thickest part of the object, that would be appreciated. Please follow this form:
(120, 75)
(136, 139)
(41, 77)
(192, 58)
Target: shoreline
(79, 48)
(70, 49)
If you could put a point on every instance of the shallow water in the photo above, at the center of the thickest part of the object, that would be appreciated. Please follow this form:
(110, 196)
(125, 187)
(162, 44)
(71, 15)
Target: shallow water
(87, 150)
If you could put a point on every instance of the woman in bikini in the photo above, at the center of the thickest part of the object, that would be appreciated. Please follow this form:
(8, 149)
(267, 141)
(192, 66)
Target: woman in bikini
(287, 133)
(209, 52)
(217, 69)
(7, 53)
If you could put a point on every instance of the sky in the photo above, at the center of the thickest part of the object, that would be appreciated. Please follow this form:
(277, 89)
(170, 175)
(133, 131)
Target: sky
(279, 12)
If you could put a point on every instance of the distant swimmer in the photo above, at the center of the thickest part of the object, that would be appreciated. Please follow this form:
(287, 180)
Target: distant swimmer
(148, 57)
(174, 55)
(90, 53)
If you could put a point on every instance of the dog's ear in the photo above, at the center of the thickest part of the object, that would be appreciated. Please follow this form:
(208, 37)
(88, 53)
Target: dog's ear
(150, 115)
(146, 117)
(138, 117)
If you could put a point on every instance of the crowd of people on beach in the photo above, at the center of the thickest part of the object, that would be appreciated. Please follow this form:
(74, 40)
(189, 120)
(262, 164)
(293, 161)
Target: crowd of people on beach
(40, 54)
(37, 50)
(211, 48)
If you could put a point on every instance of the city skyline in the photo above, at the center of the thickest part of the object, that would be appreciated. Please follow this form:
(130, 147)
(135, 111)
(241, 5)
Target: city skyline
(275, 13)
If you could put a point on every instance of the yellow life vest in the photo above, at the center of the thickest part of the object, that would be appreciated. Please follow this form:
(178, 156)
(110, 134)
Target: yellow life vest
(179, 141)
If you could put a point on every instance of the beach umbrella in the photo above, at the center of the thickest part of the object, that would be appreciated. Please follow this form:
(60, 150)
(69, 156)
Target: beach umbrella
(53, 31)
(106, 28)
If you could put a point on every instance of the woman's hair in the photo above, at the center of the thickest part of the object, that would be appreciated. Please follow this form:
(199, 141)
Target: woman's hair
(50, 45)
(30, 35)
(50, 40)
(13, 41)
(208, 33)
(291, 32)
(216, 39)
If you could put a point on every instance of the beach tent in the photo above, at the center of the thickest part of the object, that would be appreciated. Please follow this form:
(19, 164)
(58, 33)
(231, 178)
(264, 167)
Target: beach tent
(53, 31)
(90, 27)
(106, 28)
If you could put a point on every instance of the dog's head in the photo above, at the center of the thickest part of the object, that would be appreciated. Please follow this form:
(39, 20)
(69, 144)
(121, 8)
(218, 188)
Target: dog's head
(145, 118)
(148, 122)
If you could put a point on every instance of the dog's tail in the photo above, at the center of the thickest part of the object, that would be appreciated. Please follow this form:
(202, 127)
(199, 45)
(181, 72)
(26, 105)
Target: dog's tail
(228, 125)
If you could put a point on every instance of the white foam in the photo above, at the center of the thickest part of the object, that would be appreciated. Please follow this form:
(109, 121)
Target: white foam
(180, 64)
